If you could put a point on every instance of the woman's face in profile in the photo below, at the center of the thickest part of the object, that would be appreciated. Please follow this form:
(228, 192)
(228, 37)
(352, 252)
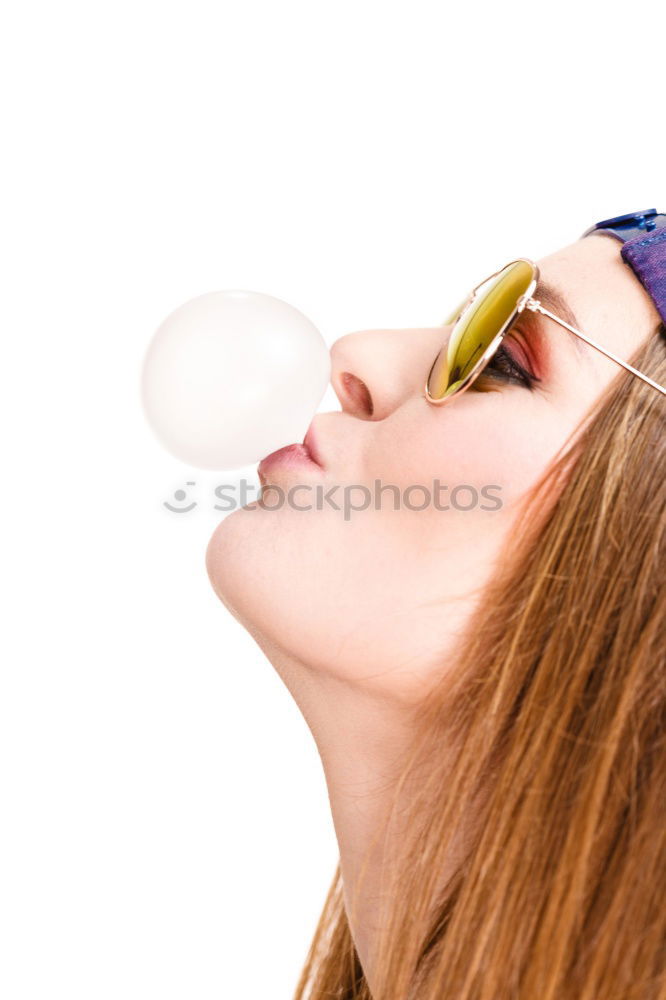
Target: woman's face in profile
(373, 596)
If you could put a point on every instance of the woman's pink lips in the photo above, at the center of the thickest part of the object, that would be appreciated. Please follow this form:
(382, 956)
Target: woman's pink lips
(294, 455)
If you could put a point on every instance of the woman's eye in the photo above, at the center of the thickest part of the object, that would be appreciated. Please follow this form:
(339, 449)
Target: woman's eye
(503, 365)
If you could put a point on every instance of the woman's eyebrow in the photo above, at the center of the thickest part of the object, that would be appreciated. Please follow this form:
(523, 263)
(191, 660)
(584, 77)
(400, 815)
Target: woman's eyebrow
(552, 299)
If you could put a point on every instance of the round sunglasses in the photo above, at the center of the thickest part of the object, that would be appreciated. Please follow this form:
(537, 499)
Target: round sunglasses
(481, 323)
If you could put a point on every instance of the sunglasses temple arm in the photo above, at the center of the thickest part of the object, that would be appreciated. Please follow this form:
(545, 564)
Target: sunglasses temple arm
(535, 306)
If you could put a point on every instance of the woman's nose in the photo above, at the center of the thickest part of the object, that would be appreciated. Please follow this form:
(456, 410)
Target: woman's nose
(375, 371)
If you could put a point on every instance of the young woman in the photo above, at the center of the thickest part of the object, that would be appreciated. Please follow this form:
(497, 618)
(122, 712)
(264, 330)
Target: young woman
(480, 648)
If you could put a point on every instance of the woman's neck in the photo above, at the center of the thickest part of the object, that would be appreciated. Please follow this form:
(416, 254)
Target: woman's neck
(364, 742)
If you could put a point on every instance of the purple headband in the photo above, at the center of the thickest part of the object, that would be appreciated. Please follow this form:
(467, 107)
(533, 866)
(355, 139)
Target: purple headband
(646, 255)
(643, 235)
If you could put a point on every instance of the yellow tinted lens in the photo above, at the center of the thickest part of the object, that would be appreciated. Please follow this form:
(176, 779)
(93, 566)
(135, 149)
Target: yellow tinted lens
(489, 313)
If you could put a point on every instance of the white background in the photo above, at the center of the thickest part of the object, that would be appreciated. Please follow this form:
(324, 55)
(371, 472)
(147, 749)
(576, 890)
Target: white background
(165, 829)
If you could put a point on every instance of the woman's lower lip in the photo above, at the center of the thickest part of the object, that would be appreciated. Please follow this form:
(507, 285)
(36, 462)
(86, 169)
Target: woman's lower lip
(294, 455)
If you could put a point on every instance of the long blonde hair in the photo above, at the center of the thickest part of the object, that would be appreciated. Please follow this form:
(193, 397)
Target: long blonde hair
(559, 710)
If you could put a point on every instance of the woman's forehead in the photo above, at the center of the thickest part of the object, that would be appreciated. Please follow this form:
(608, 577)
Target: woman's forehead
(603, 292)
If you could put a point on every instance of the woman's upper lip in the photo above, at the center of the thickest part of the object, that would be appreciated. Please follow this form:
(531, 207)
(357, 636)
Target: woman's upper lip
(308, 445)
(310, 442)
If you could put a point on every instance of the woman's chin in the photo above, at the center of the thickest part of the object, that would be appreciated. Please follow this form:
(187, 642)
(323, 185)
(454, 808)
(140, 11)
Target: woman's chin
(229, 560)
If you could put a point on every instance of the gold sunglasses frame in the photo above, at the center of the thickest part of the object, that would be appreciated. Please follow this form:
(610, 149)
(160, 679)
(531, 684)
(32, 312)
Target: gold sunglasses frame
(525, 301)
